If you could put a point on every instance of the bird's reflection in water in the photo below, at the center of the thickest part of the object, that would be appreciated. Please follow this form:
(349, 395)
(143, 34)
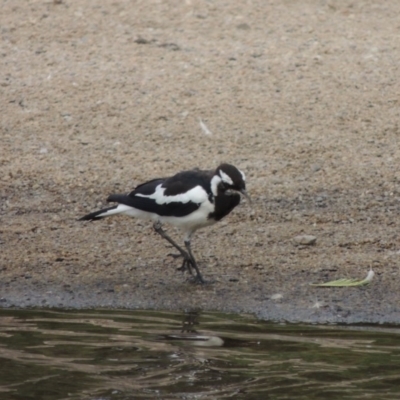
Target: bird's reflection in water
(192, 334)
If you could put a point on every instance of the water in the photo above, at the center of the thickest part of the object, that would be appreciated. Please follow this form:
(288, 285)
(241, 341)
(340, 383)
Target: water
(116, 355)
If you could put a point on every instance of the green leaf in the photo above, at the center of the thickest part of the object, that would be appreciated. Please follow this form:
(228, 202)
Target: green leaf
(347, 282)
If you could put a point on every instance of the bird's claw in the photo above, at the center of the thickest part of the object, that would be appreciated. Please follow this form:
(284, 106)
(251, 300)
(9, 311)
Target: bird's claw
(186, 264)
(197, 280)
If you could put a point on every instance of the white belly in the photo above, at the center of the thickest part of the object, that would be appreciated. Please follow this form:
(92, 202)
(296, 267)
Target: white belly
(189, 223)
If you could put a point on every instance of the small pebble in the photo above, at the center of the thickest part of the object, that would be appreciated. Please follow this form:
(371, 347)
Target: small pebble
(305, 239)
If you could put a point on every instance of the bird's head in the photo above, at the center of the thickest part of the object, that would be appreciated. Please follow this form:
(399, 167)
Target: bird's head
(226, 178)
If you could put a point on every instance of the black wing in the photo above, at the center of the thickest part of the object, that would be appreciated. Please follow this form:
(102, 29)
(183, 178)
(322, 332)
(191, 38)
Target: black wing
(175, 185)
(173, 209)
(186, 180)
(148, 187)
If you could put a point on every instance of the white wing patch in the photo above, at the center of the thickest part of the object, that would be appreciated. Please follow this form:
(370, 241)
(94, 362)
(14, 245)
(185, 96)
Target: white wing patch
(196, 195)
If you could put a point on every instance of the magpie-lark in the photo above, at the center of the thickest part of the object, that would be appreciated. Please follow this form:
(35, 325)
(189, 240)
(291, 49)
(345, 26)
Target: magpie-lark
(188, 200)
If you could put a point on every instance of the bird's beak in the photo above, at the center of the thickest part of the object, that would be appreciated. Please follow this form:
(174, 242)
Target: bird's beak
(244, 193)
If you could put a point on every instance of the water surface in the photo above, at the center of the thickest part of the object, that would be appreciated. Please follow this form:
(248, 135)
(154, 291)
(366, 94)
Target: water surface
(115, 355)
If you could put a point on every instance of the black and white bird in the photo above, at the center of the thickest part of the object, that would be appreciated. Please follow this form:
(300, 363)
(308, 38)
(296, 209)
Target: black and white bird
(189, 200)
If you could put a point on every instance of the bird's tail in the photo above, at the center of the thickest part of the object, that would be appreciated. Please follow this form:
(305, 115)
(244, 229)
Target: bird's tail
(105, 212)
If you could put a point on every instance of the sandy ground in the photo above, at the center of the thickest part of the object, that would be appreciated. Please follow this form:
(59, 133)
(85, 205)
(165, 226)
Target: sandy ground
(97, 97)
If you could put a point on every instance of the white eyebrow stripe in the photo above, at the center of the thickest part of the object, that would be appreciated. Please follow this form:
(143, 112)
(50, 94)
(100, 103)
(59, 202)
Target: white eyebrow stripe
(226, 178)
(243, 175)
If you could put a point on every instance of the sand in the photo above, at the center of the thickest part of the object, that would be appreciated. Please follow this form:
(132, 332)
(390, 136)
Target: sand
(97, 97)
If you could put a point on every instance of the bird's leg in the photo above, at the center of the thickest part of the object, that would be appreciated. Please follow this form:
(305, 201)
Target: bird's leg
(193, 262)
(187, 260)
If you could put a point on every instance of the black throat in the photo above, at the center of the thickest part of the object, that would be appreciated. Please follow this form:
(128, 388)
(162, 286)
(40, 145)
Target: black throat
(224, 204)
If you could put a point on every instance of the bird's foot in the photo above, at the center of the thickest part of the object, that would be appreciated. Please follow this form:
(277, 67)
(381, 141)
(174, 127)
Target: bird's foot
(186, 264)
(199, 280)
